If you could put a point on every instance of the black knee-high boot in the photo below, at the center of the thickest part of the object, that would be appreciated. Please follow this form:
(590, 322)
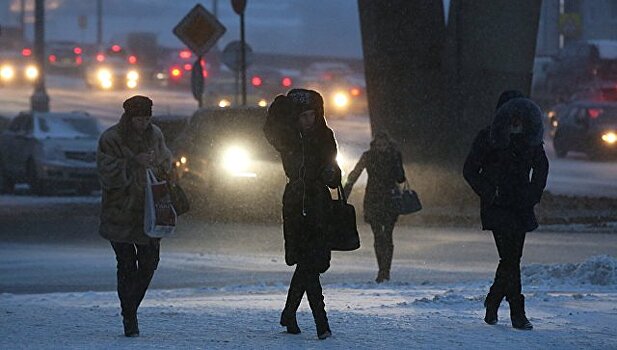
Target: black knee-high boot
(380, 251)
(126, 292)
(294, 298)
(517, 313)
(495, 295)
(314, 293)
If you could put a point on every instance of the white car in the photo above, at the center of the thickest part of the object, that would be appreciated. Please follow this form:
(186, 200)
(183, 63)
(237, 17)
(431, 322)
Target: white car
(50, 151)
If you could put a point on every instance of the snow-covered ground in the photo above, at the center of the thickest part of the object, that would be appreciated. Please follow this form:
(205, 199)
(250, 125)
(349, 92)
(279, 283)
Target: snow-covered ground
(572, 306)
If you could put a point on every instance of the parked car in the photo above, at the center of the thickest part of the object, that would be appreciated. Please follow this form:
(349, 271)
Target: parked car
(50, 151)
(588, 127)
(230, 162)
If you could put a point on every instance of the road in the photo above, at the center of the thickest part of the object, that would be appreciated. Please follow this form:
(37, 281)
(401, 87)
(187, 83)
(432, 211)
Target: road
(52, 245)
(575, 175)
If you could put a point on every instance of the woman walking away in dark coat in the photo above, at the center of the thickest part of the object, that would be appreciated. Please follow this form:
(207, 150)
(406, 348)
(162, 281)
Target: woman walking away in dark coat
(124, 152)
(384, 166)
(497, 169)
(296, 127)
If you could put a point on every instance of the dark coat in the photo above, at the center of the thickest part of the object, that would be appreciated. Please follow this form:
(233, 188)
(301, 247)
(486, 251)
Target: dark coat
(309, 162)
(385, 170)
(498, 167)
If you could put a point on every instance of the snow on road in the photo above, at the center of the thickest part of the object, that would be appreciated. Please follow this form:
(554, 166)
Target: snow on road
(567, 314)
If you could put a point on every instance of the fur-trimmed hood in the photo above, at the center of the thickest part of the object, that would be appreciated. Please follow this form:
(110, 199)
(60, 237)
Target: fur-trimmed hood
(531, 116)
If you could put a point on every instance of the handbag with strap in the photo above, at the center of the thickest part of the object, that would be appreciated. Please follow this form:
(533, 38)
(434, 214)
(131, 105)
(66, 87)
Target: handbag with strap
(343, 232)
(159, 214)
(407, 201)
(179, 198)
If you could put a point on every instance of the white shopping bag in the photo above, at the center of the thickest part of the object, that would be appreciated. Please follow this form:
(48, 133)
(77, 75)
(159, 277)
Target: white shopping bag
(159, 214)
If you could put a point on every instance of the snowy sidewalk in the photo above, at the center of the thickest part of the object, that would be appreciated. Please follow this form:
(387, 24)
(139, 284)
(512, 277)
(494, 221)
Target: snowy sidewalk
(572, 306)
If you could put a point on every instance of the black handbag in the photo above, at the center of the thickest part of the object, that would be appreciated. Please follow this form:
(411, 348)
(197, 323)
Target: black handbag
(178, 198)
(343, 232)
(406, 201)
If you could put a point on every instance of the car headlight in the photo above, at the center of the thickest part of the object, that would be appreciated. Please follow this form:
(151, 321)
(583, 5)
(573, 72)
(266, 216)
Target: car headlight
(132, 75)
(262, 103)
(236, 160)
(340, 99)
(182, 162)
(7, 72)
(609, 137)
(104, 77)
(103, 74)
(224, 103)
(131, 84)
(32, 72)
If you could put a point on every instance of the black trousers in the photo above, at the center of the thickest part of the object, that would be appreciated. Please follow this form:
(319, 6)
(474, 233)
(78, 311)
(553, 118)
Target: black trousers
(136, 266)
(305, 279)
(384, 244)
(508, 275)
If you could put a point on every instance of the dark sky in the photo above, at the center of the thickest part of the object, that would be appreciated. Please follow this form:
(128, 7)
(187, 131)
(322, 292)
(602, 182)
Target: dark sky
(321, 27)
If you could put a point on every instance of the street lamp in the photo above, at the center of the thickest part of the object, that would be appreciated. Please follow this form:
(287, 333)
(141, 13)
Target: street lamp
(39, 101)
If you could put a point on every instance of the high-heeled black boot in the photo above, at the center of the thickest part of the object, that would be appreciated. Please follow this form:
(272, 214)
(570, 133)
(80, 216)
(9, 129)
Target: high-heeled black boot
(289, 320)
(491, 303)
(131, 327)
(318, 308)
(517, 313)
(288, 316)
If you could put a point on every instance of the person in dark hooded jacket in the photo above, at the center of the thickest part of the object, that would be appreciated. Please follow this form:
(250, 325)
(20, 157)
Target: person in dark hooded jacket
(124, 152)
(384, 166)
(297, 129)
(497, 168)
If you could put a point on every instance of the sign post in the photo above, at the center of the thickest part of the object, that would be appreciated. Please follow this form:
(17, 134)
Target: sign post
(82, 21)
(239, 6)
(197, 81)
(232, 58)
(199, 30)
(39, 101)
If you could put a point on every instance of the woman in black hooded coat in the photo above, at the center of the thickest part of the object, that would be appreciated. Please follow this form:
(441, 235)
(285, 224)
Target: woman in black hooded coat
(497, 168)
(297, 129)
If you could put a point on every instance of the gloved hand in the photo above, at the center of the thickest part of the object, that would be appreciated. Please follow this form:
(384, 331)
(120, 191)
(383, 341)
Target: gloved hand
(331, 175)
(281, 110)
(279, 128)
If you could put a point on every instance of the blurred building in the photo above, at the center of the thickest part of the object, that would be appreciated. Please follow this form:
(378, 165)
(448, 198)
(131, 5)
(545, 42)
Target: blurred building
(548, 31)
(598, 18)
(567, 21)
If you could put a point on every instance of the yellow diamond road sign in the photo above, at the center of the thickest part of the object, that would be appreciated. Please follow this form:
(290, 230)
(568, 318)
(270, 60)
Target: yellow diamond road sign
(199, 30)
